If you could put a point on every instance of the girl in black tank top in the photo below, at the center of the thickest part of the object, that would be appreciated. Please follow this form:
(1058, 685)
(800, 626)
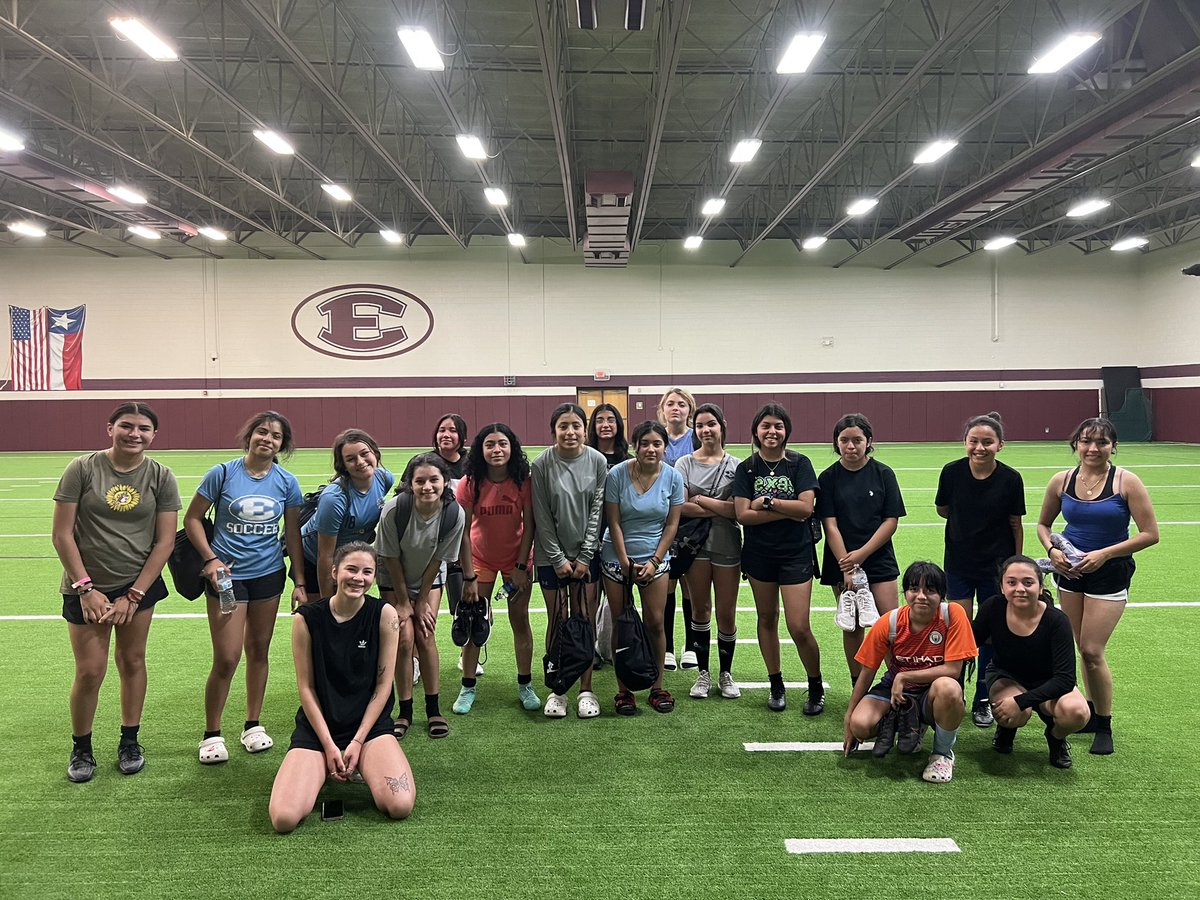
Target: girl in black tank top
(344, 649)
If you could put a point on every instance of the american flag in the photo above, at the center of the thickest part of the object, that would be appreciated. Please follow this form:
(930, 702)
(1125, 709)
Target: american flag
(47, 348)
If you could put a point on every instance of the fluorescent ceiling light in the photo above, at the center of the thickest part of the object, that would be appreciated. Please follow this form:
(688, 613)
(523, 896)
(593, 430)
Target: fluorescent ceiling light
(517, 240)
(274, 141)
(800, 52)
(392, 237)
(999, 243)
(860, 207)
(814, 242)
(1195, 159)
(147, 41)
(744, 150)
(10, 142)
(337, 192)
(692, 242)
(495, 196)
(1063, 52)
(712, 206)
(129, 195)
(1087, 207)
(142, 231)
(213, 234)
(421, 49)
(1129, 243)
(471, 146)
(933, 151)
(29, 229)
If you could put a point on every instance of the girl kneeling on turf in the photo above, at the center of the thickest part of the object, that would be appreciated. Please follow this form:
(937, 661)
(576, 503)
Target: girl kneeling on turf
(1033, 661)
(925, 643)
(344, 648)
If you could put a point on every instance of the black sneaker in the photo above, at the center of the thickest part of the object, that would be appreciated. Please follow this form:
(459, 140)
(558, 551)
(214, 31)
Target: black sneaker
(908, 726)
(777, 702)
(981, 714)
(131, 759)
(460, 629)
(1060, 750)
(82, 766)
(1002, 740)
(885, 735)
(481, 628)
(814, 704)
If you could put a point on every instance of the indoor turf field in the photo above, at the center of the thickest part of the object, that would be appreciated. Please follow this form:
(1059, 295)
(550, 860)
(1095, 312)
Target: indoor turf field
(515, 805)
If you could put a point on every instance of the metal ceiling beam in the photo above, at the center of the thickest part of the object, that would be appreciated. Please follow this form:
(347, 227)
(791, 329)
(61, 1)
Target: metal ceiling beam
(958, 37)
(672, 19)
(551, 29)
(263, 23)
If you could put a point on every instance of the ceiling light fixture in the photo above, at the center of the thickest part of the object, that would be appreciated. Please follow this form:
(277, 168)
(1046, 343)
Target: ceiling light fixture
(815, 242)
(392, 237)
(495, 196)
(861, 207)
(213, 234)
(744, 150)
(274, 141)
(692, 242)
(421, 49)
(999, 243)
(129, 195)
(1195, 159)
(29, 229)
(145, 39)
(141, 231)
(10, 141)
(337, 192)
(515, 239)
(1063, 52)
(712, 206)
(933, 151)
(471, 146)
(1087, 207)
(800, 53)
(1129, 243)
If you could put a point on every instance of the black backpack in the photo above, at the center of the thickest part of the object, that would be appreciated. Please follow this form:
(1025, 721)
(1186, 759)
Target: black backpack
(633, 653)
(572, 640)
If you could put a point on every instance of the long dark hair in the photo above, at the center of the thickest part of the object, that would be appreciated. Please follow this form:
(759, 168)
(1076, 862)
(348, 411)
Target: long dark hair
(460, 427)
(427, 459)
(771, 409)
(620, 445)
(351, 436)
(247, 431)
(715, 411)
(477, 466)
(1020, 559)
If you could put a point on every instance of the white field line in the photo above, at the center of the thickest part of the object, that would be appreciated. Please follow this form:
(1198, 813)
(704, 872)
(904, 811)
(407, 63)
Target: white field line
(764, 685)
(1160, 604)
(871, 845)
(799, 746)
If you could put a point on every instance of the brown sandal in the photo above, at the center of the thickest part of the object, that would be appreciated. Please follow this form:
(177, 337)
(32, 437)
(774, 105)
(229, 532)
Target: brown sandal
(439, 727)
(400, 728)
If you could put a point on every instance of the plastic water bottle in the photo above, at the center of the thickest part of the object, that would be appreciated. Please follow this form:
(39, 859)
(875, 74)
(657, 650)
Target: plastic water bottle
(225, 591)
(1073, 554)
(507, 591)
(858, 578)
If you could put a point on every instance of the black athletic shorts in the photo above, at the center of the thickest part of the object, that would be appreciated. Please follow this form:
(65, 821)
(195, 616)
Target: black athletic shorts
(72, 611)
(247, 590)
(994, 673)
(778, 570)
(304, 738)
(1113, 577)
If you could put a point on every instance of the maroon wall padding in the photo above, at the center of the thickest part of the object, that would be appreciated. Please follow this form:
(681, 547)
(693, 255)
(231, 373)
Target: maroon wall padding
(212, 422)
(1176, 414)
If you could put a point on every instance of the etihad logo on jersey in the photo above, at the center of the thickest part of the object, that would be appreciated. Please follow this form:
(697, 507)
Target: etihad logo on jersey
(362, 321)
(254, 514)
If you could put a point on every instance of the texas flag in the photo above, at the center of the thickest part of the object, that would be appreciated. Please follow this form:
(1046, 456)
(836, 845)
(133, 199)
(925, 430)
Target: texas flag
(47, 348)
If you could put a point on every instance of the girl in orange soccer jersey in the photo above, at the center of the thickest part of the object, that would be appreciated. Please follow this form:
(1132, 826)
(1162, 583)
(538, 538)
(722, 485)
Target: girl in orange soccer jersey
(925, 644)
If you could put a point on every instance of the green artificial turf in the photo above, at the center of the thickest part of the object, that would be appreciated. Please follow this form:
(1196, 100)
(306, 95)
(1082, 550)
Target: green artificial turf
(516, 805)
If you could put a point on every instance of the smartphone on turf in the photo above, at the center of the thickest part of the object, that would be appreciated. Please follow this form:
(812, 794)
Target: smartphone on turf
(331, 810)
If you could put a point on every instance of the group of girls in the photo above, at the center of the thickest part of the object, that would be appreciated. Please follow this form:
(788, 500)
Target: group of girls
(594, 508)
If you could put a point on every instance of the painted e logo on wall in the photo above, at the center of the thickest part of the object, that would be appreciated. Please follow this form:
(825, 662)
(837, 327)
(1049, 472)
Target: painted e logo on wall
(362, 321)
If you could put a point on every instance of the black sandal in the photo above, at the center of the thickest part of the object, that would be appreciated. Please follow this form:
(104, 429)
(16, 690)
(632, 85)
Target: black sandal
(439, 727)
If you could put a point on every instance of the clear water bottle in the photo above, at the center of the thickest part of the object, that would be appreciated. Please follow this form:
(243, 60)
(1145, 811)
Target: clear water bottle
(1073, 554)
(225, 591)
(506, 592)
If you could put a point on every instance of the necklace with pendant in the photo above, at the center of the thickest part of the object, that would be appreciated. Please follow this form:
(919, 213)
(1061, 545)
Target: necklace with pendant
(1091, 488)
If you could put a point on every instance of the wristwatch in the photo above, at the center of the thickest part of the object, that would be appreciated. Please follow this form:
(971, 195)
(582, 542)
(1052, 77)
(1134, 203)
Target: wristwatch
(768, 503)
(522, 566)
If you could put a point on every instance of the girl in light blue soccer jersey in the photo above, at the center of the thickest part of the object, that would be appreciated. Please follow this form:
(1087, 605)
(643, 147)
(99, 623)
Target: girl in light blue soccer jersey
(252, 494)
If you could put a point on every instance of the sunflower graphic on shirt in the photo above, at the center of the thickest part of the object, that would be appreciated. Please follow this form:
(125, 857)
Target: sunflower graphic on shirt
(122, 497)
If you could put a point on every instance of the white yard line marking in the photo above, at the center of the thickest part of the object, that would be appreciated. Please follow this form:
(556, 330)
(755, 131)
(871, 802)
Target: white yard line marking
(871, 845)
(764, 685)
(799, 746)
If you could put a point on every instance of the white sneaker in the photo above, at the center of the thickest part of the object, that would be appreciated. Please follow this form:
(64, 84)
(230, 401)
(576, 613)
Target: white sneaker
(939, 770)
(688, 660)
(478, 667)
(868, 615)
(416, 671)
(703, 686)
(729, 687)
(847, 606)
(588, 706)
(556, 706)
(669, 662)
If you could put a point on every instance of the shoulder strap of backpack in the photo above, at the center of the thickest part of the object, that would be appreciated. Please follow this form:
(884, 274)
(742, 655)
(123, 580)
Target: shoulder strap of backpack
(449, 520)
(946, 615)
(404, 507)
(892, 617)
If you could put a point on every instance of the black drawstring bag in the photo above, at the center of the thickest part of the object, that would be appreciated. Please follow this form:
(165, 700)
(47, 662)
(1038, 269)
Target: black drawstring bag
(634, 658)
(572, 644)
(184, 563)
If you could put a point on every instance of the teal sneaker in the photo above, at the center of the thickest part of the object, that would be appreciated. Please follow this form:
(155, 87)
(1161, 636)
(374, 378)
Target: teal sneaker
(528, 697)
(466, 699)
